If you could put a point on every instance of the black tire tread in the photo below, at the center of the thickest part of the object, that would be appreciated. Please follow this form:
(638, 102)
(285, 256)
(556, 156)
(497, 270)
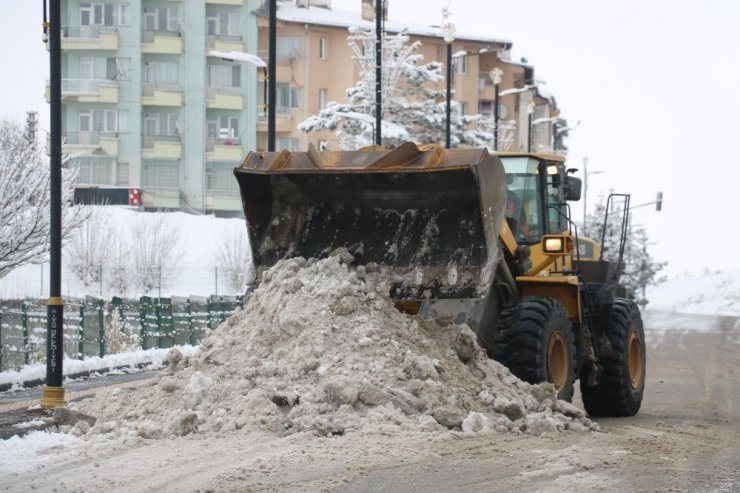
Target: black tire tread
(612, 396)
(520, 343)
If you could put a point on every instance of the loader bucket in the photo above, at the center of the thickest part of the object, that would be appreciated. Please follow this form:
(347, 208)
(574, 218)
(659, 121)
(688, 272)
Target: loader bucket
(429, 216)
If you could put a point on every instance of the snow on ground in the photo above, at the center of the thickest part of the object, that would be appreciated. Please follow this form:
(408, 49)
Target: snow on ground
(150, 358)
(709, 294)
(196, 273)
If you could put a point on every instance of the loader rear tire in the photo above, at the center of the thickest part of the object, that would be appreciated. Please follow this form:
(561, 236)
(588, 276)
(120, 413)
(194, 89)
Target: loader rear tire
(621, 385)
(534, 339)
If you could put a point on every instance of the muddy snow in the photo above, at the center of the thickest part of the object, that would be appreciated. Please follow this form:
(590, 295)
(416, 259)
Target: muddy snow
(320, 348)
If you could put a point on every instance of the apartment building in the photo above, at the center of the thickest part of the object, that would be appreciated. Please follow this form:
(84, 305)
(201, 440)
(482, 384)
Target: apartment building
(314, 66)
(149, 106)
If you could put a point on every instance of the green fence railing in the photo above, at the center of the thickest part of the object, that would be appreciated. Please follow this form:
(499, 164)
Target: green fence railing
(96, 327)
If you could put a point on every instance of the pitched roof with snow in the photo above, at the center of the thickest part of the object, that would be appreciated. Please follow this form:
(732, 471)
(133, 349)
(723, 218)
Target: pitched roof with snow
(288, 11)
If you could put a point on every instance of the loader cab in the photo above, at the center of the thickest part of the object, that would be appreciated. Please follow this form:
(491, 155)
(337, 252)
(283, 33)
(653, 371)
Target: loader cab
(538, 190)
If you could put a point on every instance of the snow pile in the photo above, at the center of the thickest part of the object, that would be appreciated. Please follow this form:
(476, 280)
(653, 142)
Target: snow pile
(320, 348)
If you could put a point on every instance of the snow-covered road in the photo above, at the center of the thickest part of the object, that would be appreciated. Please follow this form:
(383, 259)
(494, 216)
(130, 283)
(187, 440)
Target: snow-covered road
(685, 438)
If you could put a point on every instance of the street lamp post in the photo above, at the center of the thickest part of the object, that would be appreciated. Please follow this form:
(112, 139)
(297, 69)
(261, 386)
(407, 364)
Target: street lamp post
(378, 73)
(272, 58)
(586, 172)
(53, 392)
(530, 114)
(496, 77)
(448, 30)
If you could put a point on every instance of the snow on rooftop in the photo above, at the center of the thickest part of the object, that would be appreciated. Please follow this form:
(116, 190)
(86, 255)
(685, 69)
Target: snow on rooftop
(288, 11)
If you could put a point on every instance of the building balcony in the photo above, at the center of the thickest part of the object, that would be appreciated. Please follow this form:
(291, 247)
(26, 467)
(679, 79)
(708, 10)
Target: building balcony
(101, 143)
(218, 200)
(222, 42)
(229, 149)
(161, 198)
(89, 38)
(161, 42)
(87, 91)
(225, 98)
(161, 96)
(283, 120)
(161, 147)
(225, 2)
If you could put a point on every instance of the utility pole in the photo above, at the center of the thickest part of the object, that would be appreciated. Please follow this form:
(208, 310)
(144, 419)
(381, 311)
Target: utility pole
(53, 392)
(378, 72)
(272, 74)
(585, 193)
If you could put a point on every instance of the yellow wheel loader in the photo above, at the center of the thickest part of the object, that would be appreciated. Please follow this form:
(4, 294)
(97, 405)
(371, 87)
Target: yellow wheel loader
(479, 238)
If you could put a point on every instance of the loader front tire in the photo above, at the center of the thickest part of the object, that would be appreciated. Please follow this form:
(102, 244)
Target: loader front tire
(534, 339)
(620, 388)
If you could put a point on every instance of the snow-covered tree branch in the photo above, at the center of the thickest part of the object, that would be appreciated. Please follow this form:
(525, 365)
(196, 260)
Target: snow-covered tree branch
(88, 250)
(233, 258)
(411, 109)
(24, 200)
(154, 252)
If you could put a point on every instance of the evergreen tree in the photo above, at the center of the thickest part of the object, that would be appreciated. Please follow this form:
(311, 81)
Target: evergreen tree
(640, 268)
(411, 109)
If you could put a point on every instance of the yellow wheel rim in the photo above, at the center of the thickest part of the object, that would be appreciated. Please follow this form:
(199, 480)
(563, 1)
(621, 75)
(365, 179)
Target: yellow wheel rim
(634, 359)
(557, 361)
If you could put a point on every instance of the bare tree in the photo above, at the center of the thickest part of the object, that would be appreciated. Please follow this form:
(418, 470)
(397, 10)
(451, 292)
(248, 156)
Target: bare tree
(24, 199)
(233, 258)
(88, 250)
(153, 251)
(119, 275)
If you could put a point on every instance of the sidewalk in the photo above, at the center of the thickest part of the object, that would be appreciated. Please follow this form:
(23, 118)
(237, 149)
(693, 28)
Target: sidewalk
(21, 414)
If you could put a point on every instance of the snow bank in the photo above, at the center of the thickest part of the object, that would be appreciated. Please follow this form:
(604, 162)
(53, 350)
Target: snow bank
(319, 348)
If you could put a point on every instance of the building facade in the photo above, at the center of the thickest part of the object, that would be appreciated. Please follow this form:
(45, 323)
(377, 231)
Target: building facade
(147, 104)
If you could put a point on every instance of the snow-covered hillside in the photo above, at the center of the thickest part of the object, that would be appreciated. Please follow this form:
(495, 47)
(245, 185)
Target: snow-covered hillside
(709, 294)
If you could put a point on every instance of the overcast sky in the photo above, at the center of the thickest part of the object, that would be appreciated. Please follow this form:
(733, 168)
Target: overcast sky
(656, 85)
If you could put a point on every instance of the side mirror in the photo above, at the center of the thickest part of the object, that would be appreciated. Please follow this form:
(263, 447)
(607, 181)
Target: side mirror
(572, 188)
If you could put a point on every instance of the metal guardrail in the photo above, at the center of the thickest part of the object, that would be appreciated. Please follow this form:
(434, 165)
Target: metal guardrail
(96, 327)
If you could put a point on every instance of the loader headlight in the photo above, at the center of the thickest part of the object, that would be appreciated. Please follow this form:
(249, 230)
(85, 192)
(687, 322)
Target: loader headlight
(557, 245)
(553, 245)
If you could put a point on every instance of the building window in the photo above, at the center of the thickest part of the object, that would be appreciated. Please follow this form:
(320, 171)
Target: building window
(95, 170)
(288, 47)
(224, 76)
(104, 14)
(460, 65)
(106, 121)
(160, 173)
(286, 97)
(162, 73)
(282, 143)
(160, 19)
(122, 178)
(104, 68)
(222, 24)
(220, 179)
(322, 48)
(322, 99)
(161, 124)
(223, 127)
